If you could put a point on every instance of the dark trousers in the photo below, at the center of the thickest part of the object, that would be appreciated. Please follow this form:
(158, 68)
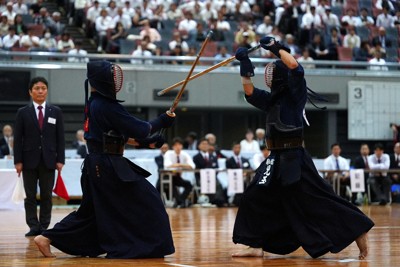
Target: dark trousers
(45, 177)
(381, 186)
(177, 181)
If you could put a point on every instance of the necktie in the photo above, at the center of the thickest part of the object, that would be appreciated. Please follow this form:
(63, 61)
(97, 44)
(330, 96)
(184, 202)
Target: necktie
(177, 159)
(40, 117)
(238, 162)
(366, 163)
(379, 160)
(337, 164)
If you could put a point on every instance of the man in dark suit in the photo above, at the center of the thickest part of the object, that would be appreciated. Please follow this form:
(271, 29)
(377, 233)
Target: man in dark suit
(39, 149)
(382, 38)
(160, 161)
(7, 141)
(205, 160)
(237, 162)
(361, 162)
(395, 163)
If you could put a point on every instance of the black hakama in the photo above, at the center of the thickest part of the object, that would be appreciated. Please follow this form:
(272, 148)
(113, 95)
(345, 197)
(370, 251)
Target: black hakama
(280, 219)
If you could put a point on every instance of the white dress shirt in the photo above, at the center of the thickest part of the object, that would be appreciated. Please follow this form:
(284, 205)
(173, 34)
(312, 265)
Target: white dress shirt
(37, 110)
(374, 163)
(252, 146)
(171, 158)
(330, 163)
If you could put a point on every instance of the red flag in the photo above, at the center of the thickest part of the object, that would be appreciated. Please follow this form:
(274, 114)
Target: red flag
(60, 189)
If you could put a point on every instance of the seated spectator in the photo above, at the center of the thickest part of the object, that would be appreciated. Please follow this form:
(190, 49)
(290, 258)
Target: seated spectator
(218, 35)
(7, 142)
(311, 23)
(362, 53)
(78, 54)
(377, 62)
(10, 13)
(112, 9)
(20, 27)
(317, 48)
(213, 146)
(128, 9)
(92, 14)
(384, 19)
(191, 142)
(65, 43)
(204, 160)
(160, 165)
(43, 18)
(378, 47)
(199, 35)
(208, 12)
(3, 26)
(266, 27)
(150, 45)
(177, 52)
(361, 162)
(35, 8)
(158, 17)
(20, 8)
(365, 19)
(114, 43)
(179, 160)
(57, 27)
(339, 168)
(290, 43)
(80, 144)
(11, 39)
(329, 19)
(104, 25)
(259, 157)
(382, 39)
(260, 136)
(187, 26)
(249, 144)
(379, 181)
(351, 39)
(141, 51)
(177, 40)
(174, 13)
(48, 43)
(138, 19)
(381, 4)
(334, 41)
(305, 57)
(151, 32)
(222, 24)
(394, 163)
(222, 54)
(245, 36)
(29, 40)
(237, 162)
(350, 18)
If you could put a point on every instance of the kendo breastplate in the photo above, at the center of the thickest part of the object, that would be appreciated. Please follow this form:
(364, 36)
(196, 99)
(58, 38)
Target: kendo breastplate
(279, 135)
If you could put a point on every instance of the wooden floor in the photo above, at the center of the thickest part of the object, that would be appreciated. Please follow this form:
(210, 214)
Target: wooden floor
(202, 237)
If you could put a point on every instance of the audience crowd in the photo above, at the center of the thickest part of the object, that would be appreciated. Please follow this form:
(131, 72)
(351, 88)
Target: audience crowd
(312, 29)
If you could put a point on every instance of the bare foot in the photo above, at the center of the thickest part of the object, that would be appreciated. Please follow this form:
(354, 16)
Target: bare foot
(362, 243)
(43, 243)
(249, 252)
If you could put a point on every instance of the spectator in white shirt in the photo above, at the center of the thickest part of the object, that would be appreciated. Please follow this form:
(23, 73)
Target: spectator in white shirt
(377, 63)
(187, 24)
(364, 19)
(339, 167)
(266, 27)
(11, 39)
(330, 19)
(104, 24)
(47, 42)
(124, 18)
(208, 12)
(174, 13)
(29, 40)
(384, 19)
(141, 51)
(351, 39)
(78, 54)
(65, 43)
(177, 40)
(20, 8)
(306, 58)
(179, 160)
(379, 181)
(350, 18)
(249, 144)
(259, 157)
(128, 9)
(222, 24)
(9, 12)
(151, 32)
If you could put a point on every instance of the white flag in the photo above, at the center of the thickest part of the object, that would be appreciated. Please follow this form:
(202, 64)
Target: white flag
(357, 182)
(235, 181)
(208, 181)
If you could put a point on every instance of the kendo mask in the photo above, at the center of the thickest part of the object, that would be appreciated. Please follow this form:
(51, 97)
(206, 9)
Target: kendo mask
(276, 76)
(105, 77)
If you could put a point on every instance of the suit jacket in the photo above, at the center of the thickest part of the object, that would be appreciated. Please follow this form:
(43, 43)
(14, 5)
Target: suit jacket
(159, 161)
(393, 163)
(232, 164)
(376, 39)
(4, 149)
(32, 144)
(201, 163)
(359, 163)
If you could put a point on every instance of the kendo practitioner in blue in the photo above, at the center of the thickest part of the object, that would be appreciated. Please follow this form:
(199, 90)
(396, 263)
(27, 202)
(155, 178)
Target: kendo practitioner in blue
(121, 213)
(288, 205)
